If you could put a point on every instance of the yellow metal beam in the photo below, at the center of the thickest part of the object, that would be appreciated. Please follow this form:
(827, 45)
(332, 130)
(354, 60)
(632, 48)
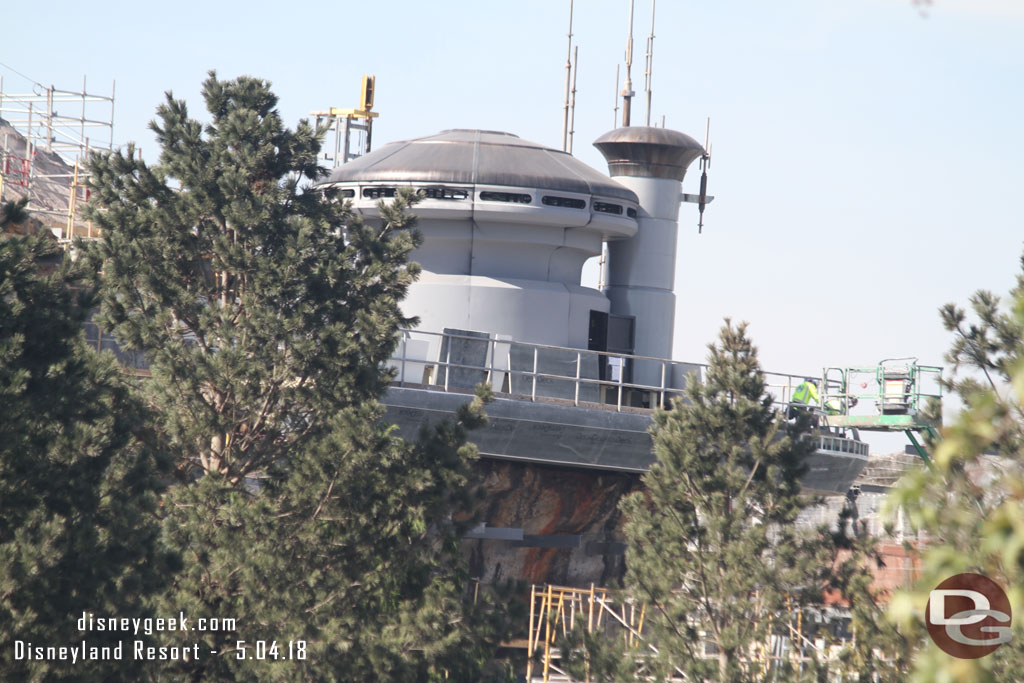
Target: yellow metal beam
(353, 113)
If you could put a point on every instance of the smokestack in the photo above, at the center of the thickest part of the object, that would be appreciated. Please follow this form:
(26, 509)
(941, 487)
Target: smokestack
(650, 161)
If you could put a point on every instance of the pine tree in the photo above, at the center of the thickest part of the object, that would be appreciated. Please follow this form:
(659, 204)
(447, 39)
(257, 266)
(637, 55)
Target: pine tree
(77, 483)
(712, 548)
(970, 505)
(878, 652)
(13, 212)
(267, 310)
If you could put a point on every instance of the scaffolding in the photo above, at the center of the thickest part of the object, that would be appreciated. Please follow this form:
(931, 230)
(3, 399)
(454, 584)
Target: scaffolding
(559, 610)
(796, 637)
(54, 131)
(344, 122)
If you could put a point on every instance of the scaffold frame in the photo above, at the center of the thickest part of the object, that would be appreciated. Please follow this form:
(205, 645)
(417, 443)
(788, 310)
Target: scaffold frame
(66, 123)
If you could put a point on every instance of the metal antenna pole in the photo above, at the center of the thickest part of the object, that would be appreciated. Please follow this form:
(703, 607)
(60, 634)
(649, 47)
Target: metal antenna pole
(650, 65)
(627, 87)
(49, 119)
(705, 164)
(615, 110)
(113, 88)
(572, 107)
(568, 74)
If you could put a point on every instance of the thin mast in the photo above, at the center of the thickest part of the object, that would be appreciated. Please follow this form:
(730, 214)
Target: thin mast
(650, 65)
(568, 73)
(572, 107)
(627, 87)
(615, 110)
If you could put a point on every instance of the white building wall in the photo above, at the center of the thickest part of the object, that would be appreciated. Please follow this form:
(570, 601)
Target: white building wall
(509, 270)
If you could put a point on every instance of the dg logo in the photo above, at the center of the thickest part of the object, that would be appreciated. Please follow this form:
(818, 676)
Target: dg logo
(968, 616)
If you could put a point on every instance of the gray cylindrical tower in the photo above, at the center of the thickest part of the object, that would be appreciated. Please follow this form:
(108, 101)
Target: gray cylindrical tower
(641, 269)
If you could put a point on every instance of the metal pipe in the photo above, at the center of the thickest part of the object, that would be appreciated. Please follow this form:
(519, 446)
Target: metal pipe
(113, 86)
(492, 344)
(661, 400)
(579, 363)
(627, 87)
(533, 391)
(648, 73)
(401, 379)
(81, 125)
(615, 109)
(28, 154)
(345, 144)
(448, 364)
(71, 205)
(49, 118)
(622, 371)
(572, 107)
(568, 72)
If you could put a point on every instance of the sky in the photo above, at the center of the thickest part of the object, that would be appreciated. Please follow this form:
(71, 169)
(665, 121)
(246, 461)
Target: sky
(866, 153)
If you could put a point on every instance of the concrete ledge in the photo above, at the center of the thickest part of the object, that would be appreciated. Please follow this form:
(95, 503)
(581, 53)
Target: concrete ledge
(558, 433)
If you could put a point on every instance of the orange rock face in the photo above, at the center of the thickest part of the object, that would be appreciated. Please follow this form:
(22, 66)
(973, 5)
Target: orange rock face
(571, 524)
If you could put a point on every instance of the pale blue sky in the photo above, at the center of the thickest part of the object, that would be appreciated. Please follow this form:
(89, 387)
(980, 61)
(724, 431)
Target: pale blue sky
(867, 159)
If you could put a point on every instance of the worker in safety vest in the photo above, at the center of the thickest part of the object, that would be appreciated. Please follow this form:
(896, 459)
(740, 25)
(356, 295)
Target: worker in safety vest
(839, 406)
(806, 392)
(804, 396)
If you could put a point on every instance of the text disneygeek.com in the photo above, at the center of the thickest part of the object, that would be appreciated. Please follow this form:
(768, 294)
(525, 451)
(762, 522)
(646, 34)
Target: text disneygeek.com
(140, 650)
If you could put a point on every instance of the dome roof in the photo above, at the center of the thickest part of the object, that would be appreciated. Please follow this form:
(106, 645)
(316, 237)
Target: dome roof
(483, 157)
(646, 152)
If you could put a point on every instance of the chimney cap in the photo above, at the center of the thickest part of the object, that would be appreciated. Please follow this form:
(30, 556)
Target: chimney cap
(648, 152)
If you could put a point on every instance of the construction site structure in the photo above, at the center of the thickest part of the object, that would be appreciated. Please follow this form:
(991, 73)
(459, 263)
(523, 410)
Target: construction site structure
(897, 390)
(45, 138)
(344, 122)
(577, 372)
(798, 637)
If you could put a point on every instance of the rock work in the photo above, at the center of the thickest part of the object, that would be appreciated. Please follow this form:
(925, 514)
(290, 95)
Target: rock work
(571, 524)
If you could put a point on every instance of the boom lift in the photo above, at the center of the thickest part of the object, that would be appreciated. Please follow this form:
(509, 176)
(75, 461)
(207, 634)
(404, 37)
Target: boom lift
(897, 391)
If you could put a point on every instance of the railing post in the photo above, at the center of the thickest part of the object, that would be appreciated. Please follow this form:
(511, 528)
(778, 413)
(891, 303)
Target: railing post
(447, 361)
(579, 359)
(661, 398)
(401, 379)
(622, 371)
(533, 391)
(490, 366)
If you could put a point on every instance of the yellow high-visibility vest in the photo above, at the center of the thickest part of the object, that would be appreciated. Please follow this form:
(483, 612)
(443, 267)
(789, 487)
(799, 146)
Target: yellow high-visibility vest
(805, 393)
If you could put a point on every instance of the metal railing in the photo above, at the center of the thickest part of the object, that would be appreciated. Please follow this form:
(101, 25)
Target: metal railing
(895, 385)
(457, 361)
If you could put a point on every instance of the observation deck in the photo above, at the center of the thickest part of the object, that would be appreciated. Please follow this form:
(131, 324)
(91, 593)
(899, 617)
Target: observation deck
(571, 407)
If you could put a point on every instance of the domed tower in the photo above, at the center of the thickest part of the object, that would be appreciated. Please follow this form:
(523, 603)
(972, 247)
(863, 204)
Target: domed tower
(507, 225)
